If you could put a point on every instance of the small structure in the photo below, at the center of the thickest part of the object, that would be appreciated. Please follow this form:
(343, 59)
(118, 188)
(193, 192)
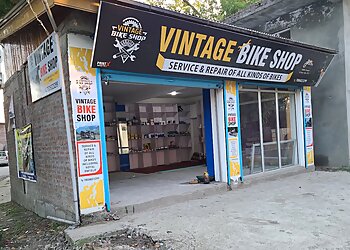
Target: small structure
(100, 89)
(324, 23)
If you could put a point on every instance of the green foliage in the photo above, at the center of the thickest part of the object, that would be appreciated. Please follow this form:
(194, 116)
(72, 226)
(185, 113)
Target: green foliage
(6, 5)
(208, 9)
(230, 7)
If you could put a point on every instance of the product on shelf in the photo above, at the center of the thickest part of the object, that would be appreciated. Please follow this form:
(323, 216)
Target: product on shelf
(173, 133)
(134, 136)
(185, 133)
(110, 138)
(133, 121)
(170, 120)
(147, 147)
(110, 124)
(172, 145)
(153, 135)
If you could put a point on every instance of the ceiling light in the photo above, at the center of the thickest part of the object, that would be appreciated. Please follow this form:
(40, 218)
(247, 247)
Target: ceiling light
(174, 93)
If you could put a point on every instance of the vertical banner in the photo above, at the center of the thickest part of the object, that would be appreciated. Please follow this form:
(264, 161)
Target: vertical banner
(24, 153)
(86, 122)
(232, 135)
(309, 139)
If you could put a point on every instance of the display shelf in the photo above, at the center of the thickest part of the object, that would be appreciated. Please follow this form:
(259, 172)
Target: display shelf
(175, 118)
(160, 150)
(164, 137)
(168, 124)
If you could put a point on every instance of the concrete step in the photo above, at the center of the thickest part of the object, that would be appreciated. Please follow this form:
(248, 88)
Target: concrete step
(78, 236)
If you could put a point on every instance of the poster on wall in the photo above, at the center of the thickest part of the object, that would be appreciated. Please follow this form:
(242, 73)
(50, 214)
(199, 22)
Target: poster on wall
(11, 114)
(138, 41)
(309, 142)
(232, 132)
(86, 123)
(24, 153)
(44, 67)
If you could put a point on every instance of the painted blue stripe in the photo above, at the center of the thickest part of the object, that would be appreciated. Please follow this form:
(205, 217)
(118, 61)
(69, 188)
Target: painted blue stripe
(226, 137)
(103, 140)
(239, 133)
(208, 130)
(118, 76)
(270, 85)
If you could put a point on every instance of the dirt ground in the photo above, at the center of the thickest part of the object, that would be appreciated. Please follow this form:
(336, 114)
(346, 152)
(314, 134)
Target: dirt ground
(22, 229)
(5, 195)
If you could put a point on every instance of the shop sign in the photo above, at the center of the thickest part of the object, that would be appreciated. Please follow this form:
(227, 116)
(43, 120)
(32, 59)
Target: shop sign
(24, 153)
(232, 131)
(134, 40)
(86, 123)
(44, 66)
(309, 142)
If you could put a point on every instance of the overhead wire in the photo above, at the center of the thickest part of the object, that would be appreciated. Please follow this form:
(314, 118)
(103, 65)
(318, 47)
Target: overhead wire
(37, 18)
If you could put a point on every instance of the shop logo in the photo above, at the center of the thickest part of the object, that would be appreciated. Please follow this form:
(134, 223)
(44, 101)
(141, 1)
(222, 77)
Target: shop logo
(84, 85)
(128, 37)
(103, 64)
(308, 63)
(231, 104)
(307, 97)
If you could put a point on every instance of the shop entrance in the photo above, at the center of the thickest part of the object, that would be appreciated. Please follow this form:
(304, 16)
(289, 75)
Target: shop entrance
(153, 128)
(268, 129)
(155, 140)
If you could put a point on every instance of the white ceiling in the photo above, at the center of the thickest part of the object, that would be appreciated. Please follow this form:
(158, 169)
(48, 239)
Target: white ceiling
(132, 93)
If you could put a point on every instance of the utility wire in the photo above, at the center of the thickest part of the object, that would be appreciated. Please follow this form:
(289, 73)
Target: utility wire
(37, 18)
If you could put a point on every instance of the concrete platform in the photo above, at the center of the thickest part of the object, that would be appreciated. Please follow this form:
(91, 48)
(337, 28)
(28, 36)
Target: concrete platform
(262, 201)
(132, 192)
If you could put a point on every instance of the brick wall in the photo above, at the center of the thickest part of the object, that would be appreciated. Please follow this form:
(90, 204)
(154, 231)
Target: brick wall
(52, 194)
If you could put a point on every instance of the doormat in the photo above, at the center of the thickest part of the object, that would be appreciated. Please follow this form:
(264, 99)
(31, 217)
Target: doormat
(177, 165)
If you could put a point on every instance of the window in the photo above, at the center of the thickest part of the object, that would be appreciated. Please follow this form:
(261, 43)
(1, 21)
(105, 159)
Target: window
(268, 129)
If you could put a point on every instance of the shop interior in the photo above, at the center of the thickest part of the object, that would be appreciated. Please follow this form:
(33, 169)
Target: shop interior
(154, 139)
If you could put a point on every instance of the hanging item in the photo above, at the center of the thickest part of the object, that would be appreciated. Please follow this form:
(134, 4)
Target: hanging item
(232, 131)
(86, 123)
(309, 141)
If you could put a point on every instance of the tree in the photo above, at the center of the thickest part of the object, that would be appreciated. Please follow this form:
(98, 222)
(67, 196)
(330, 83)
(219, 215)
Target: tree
(208, 9)
(230, 7)
(6, 6)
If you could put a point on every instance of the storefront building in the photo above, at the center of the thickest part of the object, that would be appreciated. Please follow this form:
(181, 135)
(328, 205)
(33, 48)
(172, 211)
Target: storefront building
(148, 90)
(322, 23)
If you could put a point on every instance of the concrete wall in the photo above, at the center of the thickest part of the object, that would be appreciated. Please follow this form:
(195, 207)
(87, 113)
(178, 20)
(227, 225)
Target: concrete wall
(3, 143)
(322, 24)
(52, 194)
(346, 14)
